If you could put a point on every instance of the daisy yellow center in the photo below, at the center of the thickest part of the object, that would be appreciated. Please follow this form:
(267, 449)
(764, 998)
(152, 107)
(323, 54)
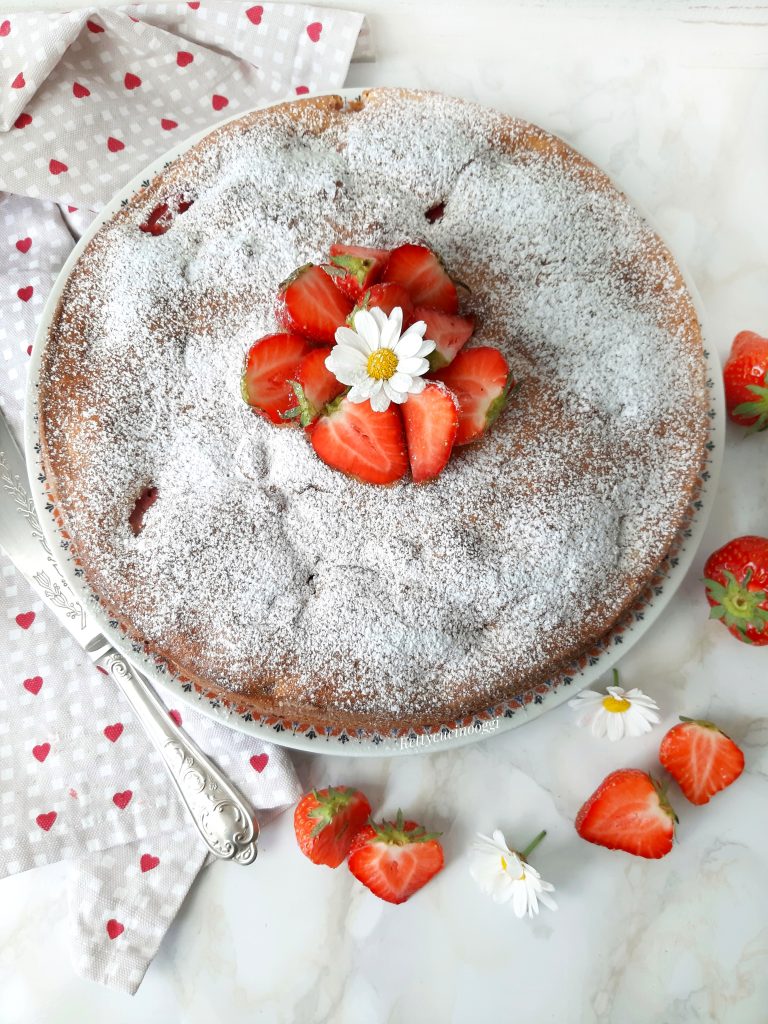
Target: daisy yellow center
(382, 364)
(503, 864)
(616, 705)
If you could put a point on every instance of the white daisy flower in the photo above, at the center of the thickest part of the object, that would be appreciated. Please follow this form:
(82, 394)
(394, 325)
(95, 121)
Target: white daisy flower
(616, 713)
(505, 875)
(379, 362)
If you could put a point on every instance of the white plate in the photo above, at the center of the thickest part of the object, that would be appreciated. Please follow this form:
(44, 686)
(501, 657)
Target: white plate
(304, 736)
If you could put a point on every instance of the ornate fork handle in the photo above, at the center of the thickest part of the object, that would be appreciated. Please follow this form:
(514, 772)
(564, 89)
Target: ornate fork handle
(225, 819)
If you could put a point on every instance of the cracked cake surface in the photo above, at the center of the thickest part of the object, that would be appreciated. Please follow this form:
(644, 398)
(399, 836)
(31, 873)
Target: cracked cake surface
(261, 573)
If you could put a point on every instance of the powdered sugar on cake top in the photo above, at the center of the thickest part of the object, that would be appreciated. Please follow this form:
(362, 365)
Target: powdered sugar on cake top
(263, 570)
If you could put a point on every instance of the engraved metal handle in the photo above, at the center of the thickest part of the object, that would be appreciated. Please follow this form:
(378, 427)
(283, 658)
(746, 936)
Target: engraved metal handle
(224, 817)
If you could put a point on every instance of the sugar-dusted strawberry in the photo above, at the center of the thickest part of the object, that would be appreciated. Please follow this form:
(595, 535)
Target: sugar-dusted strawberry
(424, 277)
(314, 387)
(736, 578)
(700, 758)
(480, 379)
(309, 303)
(385, 297)
(358, 268)
(629, 811)
(270, 365)
(394, 859)
(431, 421)
(327, 820)
(746, 381)
(366, 445)
(163, 215)
(449, 331)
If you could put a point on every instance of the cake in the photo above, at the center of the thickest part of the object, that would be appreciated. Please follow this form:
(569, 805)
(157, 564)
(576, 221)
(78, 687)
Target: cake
(264, 576)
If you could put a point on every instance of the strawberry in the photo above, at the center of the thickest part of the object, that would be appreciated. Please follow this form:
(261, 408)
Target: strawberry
(386, 297)
(421, 273)
(480, 379)
(309, 303)
(629, 811)
(143, 503)
(746, 381)
(269, 366)
(359, 268)
(700, 758)
(327, 820)
(367, 445)
(161, 218)
(736, 578)
(315, 386)
(449, 332)
(431, 421)
(395, 858)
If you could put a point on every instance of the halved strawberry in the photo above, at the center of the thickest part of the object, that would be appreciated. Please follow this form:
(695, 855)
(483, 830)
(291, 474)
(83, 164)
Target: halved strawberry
(385, 297)
(431, 421)
(327, 820)
(309, 303)
(449, 332)
(359, 268)
(480, 379)
(162, 216)
(394, 859)
(424, 277)
(629, 811)
(700, 758)
(367, 445)
(269, 366)
(315, 386)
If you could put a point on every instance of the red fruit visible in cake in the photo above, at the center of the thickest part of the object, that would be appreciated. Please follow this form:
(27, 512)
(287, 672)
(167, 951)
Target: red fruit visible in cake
(700, 758)
(367, 445)
(162, 216)
(145, 501)
(358, 268)
(431, 423)
(426, 280)
(385, 297)
(479, 377)
(629, 811)
(314, 387)
(270, 365)
(327, 820)
(309, 303)
(449, 331)
(746, 381)
(736, 578)
(394, 859)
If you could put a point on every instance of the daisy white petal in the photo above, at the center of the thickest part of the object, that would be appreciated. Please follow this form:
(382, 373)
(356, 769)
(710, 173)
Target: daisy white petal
(380, 401)
(400, 381)
(361, 392)
(617, 712)
(391, 329)
(393, 394)
(367, 327)
(413, 366)
(417, 386)
(351, 339)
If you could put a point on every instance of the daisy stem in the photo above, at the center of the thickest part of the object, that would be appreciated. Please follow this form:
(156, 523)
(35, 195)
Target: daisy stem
(615, 677)
(532, 845)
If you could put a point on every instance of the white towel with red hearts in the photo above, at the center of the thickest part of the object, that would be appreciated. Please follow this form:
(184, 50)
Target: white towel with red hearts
(88, 99)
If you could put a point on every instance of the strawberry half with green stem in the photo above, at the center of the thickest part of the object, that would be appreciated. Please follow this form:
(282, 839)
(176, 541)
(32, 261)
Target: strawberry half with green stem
(358, 268)
(431, 421)
(314, 387)
(746, 381)
(629, 811)
(385, 297)
(269, 366)
(394, 859)
(423, 276)
(309, 303)
(480, 379)
(449, 331)
(367, 445)
(327, 820)
(736, 579)
(700, 758)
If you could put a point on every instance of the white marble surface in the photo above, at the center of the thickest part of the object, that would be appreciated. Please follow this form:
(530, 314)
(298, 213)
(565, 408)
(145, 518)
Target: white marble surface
(673, 102)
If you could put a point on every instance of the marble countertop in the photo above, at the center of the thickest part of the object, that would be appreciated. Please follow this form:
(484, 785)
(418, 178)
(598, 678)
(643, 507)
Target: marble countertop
(673, 102)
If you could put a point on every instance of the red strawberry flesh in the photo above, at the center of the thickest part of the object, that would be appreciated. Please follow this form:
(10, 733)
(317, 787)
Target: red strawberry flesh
(479, 377)
(270, 365)
(628, 812)
(701, 759)
(309, 303)
(317, 386)
(449, 331)
(367, 445)
(431, 421)
(421, 273)
(395, 859)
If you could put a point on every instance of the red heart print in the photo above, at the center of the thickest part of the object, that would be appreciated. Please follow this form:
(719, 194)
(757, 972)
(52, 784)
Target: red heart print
(302, 90)
(114, 732)
(57, 167)
(41, 751)
(114, 928)
(148, 862)
(253, 14)
(184, 57)
(194, 4)
(25, 294)
(79, 91)
(114, 145)
(219, 102)
(24, 244)
(33, 685)
(5, 28)
(72, 209)
(22, 121)
(45, 821)
(167, 124)
(122, 800)
(131, 81)
(94, 26)
(18, 82)
(176, 717)
(29, 350)
(314, 30)
(259, 762)
(25, 619)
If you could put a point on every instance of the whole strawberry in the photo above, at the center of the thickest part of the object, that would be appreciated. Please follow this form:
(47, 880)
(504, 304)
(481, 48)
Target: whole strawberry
(327, 820)
(746, 381)
(395, 858)
(736, 578)
(700, 758)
